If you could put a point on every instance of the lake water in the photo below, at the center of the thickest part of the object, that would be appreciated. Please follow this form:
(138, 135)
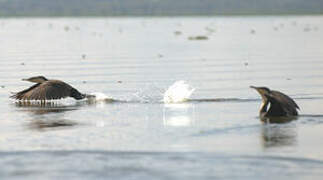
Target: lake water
(215, 134)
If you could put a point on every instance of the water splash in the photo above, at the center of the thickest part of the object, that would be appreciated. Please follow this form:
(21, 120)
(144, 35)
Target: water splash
(99, 97)
(179, 92)
(92, 98)
(150, 93)
(48, 103)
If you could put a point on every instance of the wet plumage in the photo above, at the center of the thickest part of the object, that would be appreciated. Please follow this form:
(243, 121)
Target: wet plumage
(280, 105)
(45, 89)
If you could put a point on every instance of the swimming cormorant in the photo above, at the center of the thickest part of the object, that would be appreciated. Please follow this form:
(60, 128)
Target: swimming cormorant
(281, 105)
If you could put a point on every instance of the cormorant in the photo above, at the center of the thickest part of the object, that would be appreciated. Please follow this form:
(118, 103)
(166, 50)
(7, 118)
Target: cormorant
(46, 89)
(281, 105)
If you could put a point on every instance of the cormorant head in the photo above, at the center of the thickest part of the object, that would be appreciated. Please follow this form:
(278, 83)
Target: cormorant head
(76, 94)
(36, 79)
(262, 91)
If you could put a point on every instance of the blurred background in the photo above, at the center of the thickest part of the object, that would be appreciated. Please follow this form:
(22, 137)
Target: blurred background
(157, 7)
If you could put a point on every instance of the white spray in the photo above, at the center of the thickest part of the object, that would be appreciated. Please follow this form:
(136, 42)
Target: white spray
(179, 92)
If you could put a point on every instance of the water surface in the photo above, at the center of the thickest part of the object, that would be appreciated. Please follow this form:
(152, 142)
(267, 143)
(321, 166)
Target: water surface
(216, 134)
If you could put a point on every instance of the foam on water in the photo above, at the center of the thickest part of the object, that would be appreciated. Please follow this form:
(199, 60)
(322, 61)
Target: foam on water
(57, 102)
(179, 92)
(100, 96)
(93, 98)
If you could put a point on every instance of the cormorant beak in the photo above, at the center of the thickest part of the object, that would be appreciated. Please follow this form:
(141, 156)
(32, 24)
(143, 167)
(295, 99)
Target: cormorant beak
(29, 80)
(89, 96)
(253, 87)
(260, 91)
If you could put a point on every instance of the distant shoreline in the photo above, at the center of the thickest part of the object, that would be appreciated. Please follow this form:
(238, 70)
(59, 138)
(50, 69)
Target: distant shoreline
(157, 8)
(163, 15)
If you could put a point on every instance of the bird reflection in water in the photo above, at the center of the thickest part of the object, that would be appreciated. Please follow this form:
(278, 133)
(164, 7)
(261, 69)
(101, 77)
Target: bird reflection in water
(42, 125)
(278, 120)
(47, 116)
(279, 135)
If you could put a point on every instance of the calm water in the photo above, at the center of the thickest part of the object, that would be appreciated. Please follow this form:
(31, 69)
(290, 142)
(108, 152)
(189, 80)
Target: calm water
(216, 134)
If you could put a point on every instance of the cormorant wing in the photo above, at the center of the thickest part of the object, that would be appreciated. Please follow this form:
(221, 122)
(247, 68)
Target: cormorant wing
(19, 95)
(45, 91)
(282, 101)
(276, 108)
(57, 90)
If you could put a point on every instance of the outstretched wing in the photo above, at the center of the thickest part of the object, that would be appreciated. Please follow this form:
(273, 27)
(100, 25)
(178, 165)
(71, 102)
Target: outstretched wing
(282, 103)
(19, 95)
(45, 91)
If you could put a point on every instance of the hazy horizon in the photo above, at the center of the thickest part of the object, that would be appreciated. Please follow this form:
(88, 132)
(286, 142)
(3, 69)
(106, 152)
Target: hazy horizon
(14, 8)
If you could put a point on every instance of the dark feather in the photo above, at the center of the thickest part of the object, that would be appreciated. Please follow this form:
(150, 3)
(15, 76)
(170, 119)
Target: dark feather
(48, 90)
(281, 105)
(19, 95)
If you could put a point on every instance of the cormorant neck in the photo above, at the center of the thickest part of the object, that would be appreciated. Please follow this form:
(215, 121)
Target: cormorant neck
(264, 105)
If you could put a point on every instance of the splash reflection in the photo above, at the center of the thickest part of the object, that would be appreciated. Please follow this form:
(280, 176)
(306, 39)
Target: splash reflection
(178, 115)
